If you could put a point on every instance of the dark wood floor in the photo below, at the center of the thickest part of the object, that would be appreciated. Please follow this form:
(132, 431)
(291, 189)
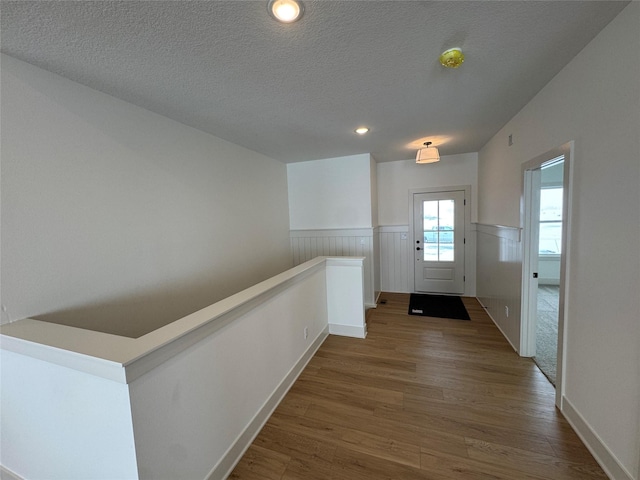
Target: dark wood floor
(419, 398)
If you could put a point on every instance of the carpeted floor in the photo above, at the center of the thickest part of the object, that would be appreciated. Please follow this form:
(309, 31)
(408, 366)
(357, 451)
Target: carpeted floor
(547, 331)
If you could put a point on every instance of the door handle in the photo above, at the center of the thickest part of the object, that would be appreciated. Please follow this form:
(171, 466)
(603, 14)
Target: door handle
(418, 248)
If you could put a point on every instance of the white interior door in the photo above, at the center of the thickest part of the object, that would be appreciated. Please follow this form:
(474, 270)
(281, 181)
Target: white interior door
(438, 242)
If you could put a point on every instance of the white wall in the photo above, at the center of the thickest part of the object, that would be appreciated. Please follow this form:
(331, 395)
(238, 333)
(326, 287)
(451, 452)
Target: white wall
(46, 409)
(112, 211)
(595, 101)
(499, 277)
(333, 210)
(549, 270)
(330, 194)
(345, 298)
(395, 179)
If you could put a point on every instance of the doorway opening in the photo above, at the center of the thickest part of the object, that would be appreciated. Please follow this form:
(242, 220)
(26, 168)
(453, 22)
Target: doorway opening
(545, 213)
(549, 252)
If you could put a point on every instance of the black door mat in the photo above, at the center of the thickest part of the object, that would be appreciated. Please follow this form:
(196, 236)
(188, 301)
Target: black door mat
(441, 306)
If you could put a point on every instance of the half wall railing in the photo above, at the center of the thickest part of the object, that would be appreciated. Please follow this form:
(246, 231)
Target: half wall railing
(184, 401)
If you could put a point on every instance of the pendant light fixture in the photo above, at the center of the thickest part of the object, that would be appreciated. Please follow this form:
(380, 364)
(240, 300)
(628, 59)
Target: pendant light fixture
(428, 154)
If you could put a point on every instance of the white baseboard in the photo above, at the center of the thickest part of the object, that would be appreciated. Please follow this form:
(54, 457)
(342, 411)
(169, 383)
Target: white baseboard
(595, 445)
(377, 295)
(496, 324)
(233, 455)
(348, 330)
(6, 474)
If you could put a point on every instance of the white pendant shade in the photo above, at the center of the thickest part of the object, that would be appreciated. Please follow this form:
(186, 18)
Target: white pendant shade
(428, 155)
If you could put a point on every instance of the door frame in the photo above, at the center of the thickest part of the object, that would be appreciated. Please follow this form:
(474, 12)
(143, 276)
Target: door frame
(467, 229)
(530, 258)
(527, 324)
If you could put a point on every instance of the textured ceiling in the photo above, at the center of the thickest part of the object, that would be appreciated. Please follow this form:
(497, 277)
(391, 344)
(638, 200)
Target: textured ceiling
(296, 92)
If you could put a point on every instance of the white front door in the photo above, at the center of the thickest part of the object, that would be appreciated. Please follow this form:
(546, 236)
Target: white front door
(438, 241)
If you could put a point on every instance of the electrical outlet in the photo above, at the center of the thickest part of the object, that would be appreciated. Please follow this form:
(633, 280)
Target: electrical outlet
(306, 332)
(506, 311)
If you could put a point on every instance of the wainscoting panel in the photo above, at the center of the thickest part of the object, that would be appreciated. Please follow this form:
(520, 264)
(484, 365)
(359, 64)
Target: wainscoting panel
(396, 266)
(499, 277)
(394, 255)
(376, 263)
(356, 242)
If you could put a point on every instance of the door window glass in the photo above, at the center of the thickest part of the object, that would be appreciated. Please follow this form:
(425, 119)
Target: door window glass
(438, 230)
(550, 221)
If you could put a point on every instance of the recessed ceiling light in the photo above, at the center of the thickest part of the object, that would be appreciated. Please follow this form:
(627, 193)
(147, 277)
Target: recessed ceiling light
(285, 11)
(361, 130)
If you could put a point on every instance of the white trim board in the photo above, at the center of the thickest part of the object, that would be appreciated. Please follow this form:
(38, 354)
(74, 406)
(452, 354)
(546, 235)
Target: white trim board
(124, 359)
(6, 474)
(348, 330)
(607, 460)
(393, 229)
(333, 232)
(501, 231)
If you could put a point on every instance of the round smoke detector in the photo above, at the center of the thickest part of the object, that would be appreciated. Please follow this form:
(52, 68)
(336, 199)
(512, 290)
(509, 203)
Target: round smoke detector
(452, 58)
